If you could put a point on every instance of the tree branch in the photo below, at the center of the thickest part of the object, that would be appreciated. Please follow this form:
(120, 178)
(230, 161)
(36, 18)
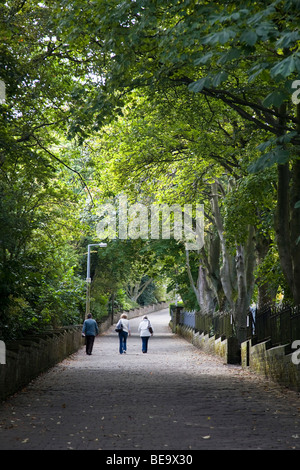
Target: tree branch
(67, 166)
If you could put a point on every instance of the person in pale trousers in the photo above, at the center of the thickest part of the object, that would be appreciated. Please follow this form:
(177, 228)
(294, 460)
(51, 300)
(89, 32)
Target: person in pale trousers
(145, 330)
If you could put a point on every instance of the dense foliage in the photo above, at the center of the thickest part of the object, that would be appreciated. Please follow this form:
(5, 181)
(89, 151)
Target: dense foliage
(164, 101)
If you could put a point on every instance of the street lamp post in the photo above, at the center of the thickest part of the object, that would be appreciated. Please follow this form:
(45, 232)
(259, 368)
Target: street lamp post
(88, 276)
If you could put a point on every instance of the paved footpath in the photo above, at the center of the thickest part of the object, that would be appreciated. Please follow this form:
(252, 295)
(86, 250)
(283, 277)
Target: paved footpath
(174, 398)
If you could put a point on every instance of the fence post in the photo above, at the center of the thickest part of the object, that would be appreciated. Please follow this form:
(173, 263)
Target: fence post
(2, 353)
(176, 317)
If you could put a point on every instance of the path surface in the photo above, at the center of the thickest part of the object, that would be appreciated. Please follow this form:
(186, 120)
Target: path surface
(173, 398)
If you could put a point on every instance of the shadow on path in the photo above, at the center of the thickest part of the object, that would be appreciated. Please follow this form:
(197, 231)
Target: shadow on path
(173, 398)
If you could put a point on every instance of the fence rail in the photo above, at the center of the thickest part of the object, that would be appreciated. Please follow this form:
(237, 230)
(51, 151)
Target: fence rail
(278, 324)
(218, 323)
(188, 319)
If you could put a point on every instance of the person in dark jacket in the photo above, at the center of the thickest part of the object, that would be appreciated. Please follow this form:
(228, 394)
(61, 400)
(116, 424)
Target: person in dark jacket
(89, 330)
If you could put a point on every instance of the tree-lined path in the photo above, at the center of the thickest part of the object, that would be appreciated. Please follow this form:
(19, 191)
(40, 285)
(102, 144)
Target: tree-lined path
(173, 398)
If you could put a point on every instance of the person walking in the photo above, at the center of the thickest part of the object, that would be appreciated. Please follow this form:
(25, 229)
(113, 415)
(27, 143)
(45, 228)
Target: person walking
(89, 330)
(145, 330)
(124, 327)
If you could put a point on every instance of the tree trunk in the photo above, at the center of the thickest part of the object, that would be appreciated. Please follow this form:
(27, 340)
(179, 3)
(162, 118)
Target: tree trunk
(295, 222)
(287, 222)
(203, 292)
(282, 223)
(135, 292)
(265, 296)
(236, 275)
(212, 264)
(226, 270)
(245, 261)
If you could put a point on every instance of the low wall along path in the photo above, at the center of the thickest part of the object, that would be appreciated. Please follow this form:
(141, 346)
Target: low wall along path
(173, 398)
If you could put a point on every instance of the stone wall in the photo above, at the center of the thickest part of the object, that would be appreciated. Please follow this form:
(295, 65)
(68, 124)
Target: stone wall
(26, 359)
(274, 363)
(227, 348)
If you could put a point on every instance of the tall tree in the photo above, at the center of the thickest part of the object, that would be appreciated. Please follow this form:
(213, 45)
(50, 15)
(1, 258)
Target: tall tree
(243, 54)
(38, 259)
(181, 162)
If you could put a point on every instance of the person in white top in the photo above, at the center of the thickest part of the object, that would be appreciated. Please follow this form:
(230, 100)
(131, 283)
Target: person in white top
(145, 330)
(123, 334)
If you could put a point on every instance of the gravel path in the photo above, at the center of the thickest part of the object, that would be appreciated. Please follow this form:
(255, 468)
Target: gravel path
(173, 398)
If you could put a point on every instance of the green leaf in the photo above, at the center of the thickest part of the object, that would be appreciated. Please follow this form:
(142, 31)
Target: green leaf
(297, 62)
(249, 37)
(204, 59)
(288, 39)
(286, 138)
(265, 30)
(278, 156)
(221, 37)
(219, 78)
(259, 17)
(230, 55)
(262, 147)
(256, 70)
(198, 86)
(297, 205)
(284, 67)
(275, 98)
